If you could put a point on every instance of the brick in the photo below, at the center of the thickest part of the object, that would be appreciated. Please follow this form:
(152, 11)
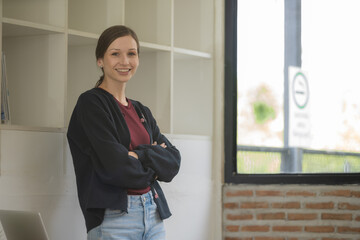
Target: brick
(335, 238)
(232, 228)
(240, 193)
(255, 228)
(252, 205)
(348, 206)
(237, 238)
(294, 238)
(270, 216)
(321, 205)
(287, 228)
(302, 216)
(337, 193)
(301, 194)
(269, 193)
(355, 194)
(349, 229)
(336, 216)
(357, 218)
(231, 205)
(234, 217)
(319, 229)
(287, 205)
(269, 238)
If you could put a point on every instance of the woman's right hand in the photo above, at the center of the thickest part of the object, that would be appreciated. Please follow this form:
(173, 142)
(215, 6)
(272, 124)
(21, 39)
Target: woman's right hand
(133, 154)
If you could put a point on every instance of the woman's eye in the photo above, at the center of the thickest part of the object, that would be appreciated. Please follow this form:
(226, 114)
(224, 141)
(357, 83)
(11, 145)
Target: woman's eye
(115, 54)
(132, 54)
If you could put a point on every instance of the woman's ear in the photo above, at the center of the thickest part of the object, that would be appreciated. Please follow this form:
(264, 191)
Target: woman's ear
(100, 62)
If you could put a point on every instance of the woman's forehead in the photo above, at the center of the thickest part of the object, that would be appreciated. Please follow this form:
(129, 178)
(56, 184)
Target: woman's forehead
(123, 43)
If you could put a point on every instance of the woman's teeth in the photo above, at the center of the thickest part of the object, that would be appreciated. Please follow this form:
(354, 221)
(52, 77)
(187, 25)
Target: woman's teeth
(123, 70)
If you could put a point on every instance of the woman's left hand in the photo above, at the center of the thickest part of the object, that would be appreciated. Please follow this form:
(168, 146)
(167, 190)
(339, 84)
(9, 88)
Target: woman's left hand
(161, 145)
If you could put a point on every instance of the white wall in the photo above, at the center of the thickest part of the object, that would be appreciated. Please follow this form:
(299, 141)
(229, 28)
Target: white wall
(190, 193)
(35, 176)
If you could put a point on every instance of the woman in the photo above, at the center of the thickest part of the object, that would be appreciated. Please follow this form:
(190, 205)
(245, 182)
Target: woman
(118, 151)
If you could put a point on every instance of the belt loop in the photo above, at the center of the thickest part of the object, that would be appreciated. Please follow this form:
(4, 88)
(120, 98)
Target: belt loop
(151, 197)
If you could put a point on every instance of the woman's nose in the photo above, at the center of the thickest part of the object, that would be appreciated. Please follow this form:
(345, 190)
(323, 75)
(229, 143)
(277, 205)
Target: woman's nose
(123, 59)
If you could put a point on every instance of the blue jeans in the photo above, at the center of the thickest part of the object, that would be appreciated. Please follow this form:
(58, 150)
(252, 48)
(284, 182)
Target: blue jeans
(142, 222)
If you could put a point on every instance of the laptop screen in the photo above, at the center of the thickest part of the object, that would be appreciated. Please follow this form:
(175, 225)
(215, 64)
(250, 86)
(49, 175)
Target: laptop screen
(20, 225)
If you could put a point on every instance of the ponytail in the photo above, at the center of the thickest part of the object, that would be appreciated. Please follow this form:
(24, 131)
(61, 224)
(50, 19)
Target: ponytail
(99, 81)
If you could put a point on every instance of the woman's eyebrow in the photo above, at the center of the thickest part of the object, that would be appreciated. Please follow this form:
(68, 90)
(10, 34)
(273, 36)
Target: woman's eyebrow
(117, 49)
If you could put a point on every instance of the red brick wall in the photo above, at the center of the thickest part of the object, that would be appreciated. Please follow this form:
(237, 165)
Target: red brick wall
(291, 212)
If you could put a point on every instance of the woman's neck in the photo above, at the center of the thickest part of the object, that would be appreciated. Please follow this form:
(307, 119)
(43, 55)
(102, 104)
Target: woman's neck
(117, 90)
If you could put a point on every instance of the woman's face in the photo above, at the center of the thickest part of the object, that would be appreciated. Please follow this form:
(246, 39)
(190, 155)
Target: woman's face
(120, 60)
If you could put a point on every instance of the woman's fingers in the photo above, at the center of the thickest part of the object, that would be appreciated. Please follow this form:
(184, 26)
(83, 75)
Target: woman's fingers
(162, 144)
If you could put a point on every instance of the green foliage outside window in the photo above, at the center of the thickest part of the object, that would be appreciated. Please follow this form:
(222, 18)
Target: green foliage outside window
(263, 112)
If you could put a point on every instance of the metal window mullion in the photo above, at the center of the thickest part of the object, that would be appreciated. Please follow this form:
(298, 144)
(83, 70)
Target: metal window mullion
(292, 161)
(292, 52)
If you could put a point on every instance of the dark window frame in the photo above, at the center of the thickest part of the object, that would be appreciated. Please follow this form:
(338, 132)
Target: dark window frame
(230, 121)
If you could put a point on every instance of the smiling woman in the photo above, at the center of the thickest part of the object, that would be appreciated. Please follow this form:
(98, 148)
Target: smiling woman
(119, 63)
(118, 151)
(122, 44)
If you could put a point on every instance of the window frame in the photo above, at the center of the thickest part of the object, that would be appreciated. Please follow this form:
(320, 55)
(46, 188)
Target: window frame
(230, 122)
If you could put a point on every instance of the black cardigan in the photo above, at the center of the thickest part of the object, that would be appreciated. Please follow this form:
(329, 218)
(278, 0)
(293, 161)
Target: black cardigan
(99, 142)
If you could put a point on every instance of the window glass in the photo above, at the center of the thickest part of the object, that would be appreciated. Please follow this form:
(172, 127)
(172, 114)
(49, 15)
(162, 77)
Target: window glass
(330, 56)
(260, 64)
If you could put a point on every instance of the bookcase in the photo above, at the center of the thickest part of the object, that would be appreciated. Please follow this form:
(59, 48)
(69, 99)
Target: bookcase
(50, 58)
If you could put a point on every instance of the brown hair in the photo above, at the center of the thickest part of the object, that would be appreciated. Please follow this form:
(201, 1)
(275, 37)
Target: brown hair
(107, 37)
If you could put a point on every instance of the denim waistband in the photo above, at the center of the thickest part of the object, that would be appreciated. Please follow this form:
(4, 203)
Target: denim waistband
(140, 200)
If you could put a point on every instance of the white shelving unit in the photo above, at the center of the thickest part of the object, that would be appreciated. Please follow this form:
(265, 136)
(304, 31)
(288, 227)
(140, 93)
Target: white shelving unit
(50, 59)
(50, 54)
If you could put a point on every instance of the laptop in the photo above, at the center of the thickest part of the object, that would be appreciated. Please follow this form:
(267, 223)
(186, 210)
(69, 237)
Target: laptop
(21, 225)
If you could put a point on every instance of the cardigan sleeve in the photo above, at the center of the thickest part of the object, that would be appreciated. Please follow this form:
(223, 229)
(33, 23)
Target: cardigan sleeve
(108, 155)
(164, 161)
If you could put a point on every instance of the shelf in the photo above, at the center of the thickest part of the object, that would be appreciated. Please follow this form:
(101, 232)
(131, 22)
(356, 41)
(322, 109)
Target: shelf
(83, 73)
(36, 79)
(193, 96)
(188, 137)
(32, 129)
(193, 24)
(54, 41)
(181, 53)
(151, 47)
(96, 15)
(77, 38)
(150, 19)
(19, 28)
(44, 12)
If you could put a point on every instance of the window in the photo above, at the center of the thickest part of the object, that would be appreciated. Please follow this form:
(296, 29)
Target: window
(291, 109)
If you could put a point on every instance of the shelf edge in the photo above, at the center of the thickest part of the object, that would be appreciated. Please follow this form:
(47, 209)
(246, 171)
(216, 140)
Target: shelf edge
(83, 34)
(31, 128)
(33, 25)
(192, 53)
(154, 46)
(188, 136)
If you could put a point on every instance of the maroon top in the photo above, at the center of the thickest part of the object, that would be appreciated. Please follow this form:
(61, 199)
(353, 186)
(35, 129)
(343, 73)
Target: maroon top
(138, 135)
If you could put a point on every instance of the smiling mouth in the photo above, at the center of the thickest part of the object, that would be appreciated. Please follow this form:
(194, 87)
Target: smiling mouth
(123, 70)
